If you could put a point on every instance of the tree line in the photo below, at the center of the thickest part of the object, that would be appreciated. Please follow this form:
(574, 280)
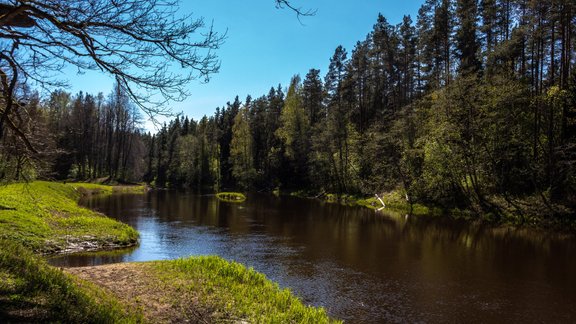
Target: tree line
(471, 105)
(76, 137)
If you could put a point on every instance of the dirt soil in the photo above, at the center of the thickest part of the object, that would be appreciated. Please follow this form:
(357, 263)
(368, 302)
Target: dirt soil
(135, 284)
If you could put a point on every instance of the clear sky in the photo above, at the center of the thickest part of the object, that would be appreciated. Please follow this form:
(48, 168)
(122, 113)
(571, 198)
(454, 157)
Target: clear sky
(266, 46)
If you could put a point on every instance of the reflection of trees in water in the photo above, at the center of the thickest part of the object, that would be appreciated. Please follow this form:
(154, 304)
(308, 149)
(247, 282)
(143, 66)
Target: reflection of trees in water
(397, 266)
(384, 244)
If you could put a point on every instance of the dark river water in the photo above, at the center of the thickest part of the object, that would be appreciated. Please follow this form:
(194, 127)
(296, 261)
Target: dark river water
(361, 266)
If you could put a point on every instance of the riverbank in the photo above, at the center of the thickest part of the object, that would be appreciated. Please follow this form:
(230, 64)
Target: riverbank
(528, 212)
(388, 201)
(201, 290)
(44, 218)
(31, 291)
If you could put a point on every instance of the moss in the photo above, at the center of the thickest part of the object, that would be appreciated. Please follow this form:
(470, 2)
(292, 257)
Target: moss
(45, 217)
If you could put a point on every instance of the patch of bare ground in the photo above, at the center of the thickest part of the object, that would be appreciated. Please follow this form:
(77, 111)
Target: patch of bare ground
(136, 285)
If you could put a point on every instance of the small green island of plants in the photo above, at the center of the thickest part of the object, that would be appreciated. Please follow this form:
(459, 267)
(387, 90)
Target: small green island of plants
(233, 197)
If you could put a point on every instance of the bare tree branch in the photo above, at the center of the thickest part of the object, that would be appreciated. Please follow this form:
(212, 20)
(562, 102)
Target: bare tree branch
(152, 50)
(300, 12)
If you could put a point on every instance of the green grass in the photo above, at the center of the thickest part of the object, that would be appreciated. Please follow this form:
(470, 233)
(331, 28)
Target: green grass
(99, 189)
(45, 217)
(395, 201)
(234, 197)
(33, 291)
(231, 291)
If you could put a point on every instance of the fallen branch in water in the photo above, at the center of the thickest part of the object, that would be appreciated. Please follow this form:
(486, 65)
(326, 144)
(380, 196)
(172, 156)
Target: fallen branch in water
(381, 201)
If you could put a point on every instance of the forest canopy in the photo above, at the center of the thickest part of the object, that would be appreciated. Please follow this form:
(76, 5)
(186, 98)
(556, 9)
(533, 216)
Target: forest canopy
(470, 105)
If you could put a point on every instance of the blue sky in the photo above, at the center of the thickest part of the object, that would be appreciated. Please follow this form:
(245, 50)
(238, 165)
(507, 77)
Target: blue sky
(266, 46)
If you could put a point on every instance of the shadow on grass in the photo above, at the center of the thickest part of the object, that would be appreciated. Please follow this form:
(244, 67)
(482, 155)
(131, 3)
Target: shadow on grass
(17, 310)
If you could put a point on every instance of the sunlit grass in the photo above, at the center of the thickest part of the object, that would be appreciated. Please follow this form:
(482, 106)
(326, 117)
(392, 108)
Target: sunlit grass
(234, 197)
(99, 189)
(395, 201)
(45, 217)
(33, 291)
(233, 292)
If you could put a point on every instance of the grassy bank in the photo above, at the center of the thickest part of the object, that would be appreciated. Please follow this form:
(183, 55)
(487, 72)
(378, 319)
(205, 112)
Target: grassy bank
(531, 211)
(201, 290)
(45, 217)
(99, 189)
(394, 200)
(198, 289)
(32, 291)
(230, 291)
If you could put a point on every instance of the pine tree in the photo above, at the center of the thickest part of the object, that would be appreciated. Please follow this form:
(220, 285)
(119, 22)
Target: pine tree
(335, 147)
(467, 46)
(407, 60)
(225, 122)
(312, 96)
(274, 156)
(357, 87)
(384, 61)
(441, 44)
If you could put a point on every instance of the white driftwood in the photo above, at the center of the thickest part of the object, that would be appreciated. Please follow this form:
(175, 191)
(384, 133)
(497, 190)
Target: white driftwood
(381, 201)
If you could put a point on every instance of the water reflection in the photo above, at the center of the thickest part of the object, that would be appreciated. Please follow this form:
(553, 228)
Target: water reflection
(360, 266)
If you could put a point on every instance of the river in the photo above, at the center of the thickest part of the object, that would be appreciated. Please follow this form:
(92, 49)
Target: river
(359, 265)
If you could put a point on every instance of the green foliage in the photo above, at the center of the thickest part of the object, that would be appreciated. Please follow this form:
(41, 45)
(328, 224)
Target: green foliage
(41, 293)
(86, 189)
(233, 291)
(466, 39)
(235, 197)
(241, 156)
(294, 127)
(294, 132)
(462, 110)
(45, 216)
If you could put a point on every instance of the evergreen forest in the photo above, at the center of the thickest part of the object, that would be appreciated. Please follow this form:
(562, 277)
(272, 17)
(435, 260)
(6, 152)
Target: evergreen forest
(470, 105)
